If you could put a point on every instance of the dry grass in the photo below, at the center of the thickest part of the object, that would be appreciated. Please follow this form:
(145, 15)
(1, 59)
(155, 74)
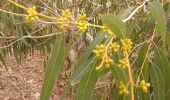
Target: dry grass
(24, 82)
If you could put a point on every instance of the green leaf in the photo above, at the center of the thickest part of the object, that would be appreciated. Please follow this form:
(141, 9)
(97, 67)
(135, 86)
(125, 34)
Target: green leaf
(126, 12)
(145, 76)
(119, 74)
(162, 62)
(87, 83)
(158, 14)
(157, 81)
(142, 55)
(54, 67)
(115, 24)
(83, 64)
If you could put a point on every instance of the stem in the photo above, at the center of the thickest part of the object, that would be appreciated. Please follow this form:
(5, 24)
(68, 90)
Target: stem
(130, 77)
(105, 54)
(18, 5)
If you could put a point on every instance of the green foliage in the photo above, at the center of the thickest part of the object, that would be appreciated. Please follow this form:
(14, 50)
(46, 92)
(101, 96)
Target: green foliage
(158, 82)
(84, 64)
(115, 24)
(87, 83)
(138, 33)
(54, 67)
(157, 12)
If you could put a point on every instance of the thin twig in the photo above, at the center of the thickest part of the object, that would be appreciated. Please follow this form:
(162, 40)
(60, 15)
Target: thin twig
(131, 15)
(1, 10)
(32, 37)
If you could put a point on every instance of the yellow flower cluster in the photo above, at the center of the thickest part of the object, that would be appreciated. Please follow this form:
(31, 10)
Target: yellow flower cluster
(103, 52)
(144, 86)
(123, 90)
(32, 14)
(123, 63)
(114, 47)
(126, 45)
(65, 15)
(82, 24)
(107, 62)
(108, 31)
(100, 51)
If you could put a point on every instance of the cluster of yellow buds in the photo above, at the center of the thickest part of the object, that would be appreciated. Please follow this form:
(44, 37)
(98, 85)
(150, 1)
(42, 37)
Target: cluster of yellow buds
(126, 45)
(144, 86)
(123, 90)
(107, 62)
(114, 47)
(123, 63)
(100, 50)
(82, 24)
(108, 31)
(65, 15)
(32, 14)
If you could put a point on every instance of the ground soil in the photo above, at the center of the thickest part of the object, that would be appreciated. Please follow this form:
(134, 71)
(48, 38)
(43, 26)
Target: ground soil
(23, 82)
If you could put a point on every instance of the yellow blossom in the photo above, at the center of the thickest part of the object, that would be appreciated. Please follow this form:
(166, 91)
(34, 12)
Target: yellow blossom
(144, 86)
(66, 14)
(114, 47)
(123, 63)
(82, 24)
(100, 51)
(32, 14)
(123, 90)
(108, 62)
(126, 45)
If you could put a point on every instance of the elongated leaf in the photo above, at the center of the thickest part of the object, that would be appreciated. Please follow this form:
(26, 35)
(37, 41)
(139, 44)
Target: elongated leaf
(115, 24)
(83, 64)
(87, 84)
(119, 74)
(162, 62)
(157, 12)
(158, 83)
(142, 55)
(54, 67)
(145, 76)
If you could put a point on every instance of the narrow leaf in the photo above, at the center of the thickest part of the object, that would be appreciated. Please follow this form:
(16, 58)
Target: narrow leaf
(87, 84)
(162, 62)
(157, 81)
(142, 55)
(83, 63)
(54, 67)
(158, 14)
